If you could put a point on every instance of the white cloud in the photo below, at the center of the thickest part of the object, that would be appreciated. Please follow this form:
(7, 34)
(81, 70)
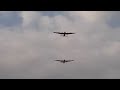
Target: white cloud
(88, 16)
(30, 18)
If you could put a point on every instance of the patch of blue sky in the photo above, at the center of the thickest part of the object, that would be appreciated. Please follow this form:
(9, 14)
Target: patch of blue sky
(114, 20)
(10, 19)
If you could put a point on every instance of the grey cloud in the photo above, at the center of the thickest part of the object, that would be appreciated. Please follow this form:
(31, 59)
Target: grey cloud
(52, 13)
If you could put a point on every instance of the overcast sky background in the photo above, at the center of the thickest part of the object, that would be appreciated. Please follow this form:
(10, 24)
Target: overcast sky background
(28, 46)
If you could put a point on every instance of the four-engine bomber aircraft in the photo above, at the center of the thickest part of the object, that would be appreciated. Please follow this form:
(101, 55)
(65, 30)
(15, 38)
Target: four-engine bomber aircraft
(63, 33)
(64, 61)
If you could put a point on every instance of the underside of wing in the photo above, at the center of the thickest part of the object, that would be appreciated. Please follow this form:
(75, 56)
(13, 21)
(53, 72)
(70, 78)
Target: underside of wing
(58, 60)
(57, 32)
(70, 60)
(70, 33)
(61, 33)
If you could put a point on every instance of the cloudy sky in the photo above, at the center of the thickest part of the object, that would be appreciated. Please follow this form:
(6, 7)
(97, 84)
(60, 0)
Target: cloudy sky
(28, 46)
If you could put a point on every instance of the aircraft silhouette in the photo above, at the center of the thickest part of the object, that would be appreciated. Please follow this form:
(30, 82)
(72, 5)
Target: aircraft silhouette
(63, 33)
(64, 61)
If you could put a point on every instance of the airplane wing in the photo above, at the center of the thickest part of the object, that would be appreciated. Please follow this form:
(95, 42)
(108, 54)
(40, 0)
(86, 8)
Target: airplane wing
(57, 32)
(58, 60)
(62, 33)
(69, 60)
(70, 33)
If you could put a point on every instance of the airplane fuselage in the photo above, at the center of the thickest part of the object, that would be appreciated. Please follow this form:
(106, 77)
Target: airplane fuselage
(64, 34)
(63, 61)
